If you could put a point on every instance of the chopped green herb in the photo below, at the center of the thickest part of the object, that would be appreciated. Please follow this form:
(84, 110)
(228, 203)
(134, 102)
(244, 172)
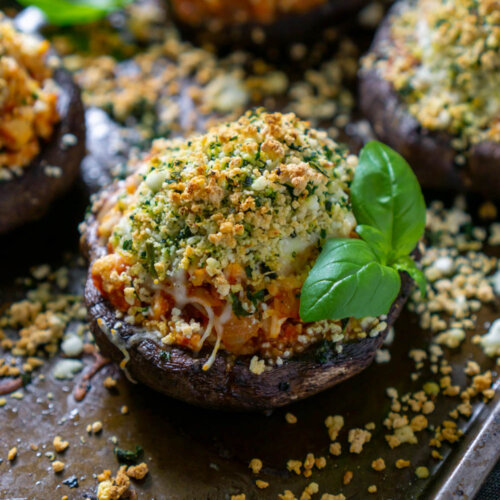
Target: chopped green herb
(238, 307)
(128, 456)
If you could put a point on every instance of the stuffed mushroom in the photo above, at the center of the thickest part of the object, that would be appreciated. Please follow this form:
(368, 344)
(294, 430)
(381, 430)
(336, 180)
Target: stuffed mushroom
(267, 23)
(430, 88)
(42, 131)
(197, 261)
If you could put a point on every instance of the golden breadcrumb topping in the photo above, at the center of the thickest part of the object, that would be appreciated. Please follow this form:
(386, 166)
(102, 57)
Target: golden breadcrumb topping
(213, 237)
(443, 58)
(28, 98)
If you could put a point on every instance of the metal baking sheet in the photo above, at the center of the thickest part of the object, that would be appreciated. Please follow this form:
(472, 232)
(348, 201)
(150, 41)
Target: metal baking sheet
(200, 454)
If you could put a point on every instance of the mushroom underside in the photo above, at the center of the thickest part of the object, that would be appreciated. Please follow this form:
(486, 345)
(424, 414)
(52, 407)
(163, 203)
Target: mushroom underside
(228, 384)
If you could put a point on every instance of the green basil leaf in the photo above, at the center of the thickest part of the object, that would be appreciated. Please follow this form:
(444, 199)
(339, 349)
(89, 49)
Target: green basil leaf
(408, 264)
(67, 12)
(347, 281)
(385, 194)
(376, 241)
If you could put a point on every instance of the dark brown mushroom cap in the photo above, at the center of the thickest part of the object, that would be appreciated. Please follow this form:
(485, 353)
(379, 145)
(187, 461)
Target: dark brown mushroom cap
(227, 385)
(430, 153)
(27, 197)
(287, 29)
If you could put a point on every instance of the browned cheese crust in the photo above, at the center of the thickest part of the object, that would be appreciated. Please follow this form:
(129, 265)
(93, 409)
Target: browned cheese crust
(28, 196)
(430, 153)
(228, 384)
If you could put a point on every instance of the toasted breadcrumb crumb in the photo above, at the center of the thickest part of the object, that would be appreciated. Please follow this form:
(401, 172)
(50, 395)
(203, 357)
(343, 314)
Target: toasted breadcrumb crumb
(58, 466)
(295, 466)
(348, 477)
(96, 427)
(138, 471)
(335, 449)
(310, 490)
(104, 475)
(117, 487)
(422, 472)
(401, 463)
(357, 438)
(59, 444)
(256, 465)
(378, 464)
(334, 424)
(109, 383)
(12, 454)
(287, 495)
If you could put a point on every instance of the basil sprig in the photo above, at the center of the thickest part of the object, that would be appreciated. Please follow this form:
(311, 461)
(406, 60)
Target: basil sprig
(360, 277)
(71, 12)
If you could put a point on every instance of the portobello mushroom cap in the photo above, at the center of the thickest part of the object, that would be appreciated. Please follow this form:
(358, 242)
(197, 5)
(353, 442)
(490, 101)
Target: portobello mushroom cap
(27, 197)
(281, 32)
(430, 153)
(228, 384)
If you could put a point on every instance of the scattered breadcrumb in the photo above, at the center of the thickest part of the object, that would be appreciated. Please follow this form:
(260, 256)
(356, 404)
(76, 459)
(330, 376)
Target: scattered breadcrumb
(348, 477)
(295, 466)
(109, 383)
(256, 465)
(334, 424)
(138, 471)
(12, 454)
(378, 464)
(59, 444)
(401, 463)
(58, 466)
(119, 486)
(335, 449)
(422, 472)
(310, 490)
(96, 427)
(357, 438)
